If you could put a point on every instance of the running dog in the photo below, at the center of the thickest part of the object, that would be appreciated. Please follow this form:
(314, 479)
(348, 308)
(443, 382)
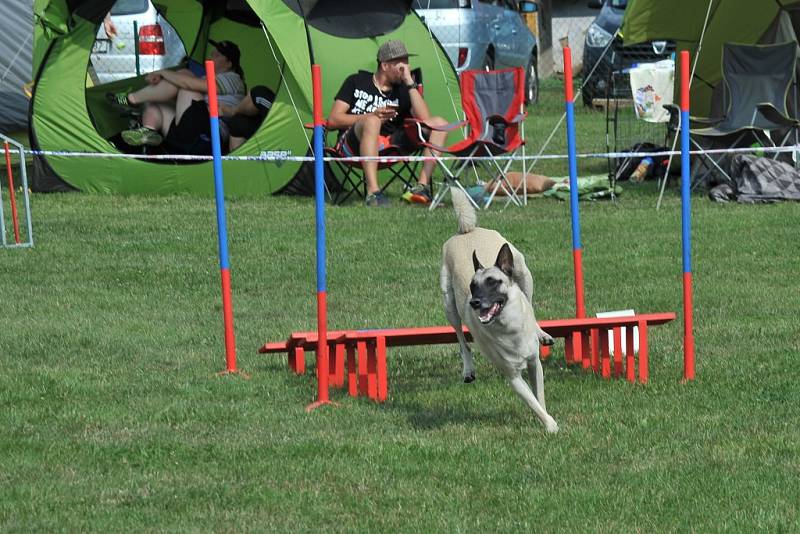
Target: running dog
(495, 304)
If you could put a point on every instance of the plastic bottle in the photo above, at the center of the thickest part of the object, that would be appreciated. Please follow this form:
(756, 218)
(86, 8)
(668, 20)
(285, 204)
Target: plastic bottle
(641, 171)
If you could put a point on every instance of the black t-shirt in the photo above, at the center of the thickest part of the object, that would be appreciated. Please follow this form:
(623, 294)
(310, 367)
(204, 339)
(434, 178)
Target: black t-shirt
(360, 92)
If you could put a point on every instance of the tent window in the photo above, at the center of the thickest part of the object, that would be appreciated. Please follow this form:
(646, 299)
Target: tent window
(352, 18)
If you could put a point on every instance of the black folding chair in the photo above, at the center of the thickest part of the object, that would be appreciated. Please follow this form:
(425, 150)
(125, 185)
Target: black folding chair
(758, 81)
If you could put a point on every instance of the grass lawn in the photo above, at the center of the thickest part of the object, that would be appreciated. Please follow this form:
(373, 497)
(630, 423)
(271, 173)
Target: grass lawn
(113, 418)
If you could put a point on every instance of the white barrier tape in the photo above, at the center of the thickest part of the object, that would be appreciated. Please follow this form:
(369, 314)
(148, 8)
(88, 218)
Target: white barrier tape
(285, 155)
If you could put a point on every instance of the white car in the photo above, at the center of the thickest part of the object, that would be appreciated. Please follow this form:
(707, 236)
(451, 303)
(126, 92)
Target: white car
(159, 45)
(485, 34)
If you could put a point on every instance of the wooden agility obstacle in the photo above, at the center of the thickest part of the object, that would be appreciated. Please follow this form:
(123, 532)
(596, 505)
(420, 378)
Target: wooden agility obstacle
(360, 355)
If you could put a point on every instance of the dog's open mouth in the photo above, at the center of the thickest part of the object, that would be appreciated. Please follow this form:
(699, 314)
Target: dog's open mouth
(487, 315)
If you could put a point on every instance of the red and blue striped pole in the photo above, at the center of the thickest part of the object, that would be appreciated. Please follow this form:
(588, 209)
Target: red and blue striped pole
(577, 250)
(222, 231)
(11, 196)
(686, 223)
(322, 292)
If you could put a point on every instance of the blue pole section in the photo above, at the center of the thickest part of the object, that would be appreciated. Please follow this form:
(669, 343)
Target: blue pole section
(319, 192)
(219, 195)
(686, 203)
(573, 177)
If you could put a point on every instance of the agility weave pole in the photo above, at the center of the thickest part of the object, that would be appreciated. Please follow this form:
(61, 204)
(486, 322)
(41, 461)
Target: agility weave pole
(686, 224)
(222, 229)
(319, 205)
(18, 242)
(577, 248)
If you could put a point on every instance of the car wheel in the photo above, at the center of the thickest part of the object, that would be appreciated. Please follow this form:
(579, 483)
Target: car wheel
(488, 61)
(531, 82)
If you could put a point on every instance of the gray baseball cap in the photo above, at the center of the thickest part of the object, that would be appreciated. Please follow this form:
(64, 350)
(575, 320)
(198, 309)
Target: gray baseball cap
(393, 49)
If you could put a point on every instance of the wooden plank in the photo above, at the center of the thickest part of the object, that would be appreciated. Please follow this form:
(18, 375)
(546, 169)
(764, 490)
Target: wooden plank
(432, 335)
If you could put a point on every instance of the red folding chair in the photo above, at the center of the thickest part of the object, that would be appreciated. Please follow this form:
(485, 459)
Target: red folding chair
(494, 111)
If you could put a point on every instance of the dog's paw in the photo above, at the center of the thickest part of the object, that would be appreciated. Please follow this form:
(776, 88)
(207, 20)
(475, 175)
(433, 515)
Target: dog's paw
(551, 426)
(546, 339)
(470, 378)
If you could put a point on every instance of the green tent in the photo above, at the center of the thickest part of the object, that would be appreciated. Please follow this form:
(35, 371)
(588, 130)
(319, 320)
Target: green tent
(729, 21)
(342, 36)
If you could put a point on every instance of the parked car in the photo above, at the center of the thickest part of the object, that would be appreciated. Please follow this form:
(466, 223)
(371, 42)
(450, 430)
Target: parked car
(609, 78)
(160, 46)
(485, 34)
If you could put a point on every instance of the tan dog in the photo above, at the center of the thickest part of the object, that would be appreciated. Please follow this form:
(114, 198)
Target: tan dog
(495, 304)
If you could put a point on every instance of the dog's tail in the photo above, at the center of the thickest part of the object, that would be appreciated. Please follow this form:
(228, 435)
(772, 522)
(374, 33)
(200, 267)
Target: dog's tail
(465, 211)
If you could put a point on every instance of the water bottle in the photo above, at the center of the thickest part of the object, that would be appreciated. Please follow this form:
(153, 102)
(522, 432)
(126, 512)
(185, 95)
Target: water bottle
(641, 171)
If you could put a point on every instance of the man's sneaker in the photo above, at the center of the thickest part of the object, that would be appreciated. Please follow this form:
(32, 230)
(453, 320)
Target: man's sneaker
(377, 200)
(142, 136)
(419, 194)
(120, 102)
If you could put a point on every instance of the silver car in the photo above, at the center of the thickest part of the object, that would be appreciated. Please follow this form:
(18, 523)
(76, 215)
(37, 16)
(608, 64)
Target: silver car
(160, 46)
(484, 34)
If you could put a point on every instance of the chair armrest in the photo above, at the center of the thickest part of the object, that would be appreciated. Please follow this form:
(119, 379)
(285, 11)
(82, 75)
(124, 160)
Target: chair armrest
(446, 128)
(675, 111)
(705, 121)
(413, 129)
(773, 114)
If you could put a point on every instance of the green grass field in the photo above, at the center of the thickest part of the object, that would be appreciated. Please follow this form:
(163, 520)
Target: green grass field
(113, 418)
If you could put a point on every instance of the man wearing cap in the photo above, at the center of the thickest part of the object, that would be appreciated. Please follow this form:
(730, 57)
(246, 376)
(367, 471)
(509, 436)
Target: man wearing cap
(177, 101)
(370, 108)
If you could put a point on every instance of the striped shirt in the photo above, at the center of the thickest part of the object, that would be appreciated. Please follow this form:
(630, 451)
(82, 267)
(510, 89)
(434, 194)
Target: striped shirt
(230, 88)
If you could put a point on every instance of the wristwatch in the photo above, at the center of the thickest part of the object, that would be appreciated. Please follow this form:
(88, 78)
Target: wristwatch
(412, 85)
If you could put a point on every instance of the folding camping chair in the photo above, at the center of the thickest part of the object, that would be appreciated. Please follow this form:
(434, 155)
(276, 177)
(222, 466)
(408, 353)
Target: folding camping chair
(352, 174)
(757, 83)
(494, 111)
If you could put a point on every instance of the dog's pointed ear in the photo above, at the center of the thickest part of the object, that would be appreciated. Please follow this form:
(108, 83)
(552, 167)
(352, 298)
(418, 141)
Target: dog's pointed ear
(475, 262)
(505, 260)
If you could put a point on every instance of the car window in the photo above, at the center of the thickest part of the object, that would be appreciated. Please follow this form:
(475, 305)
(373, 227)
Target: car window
(129, 7)
(621, 4)
(435, 4)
